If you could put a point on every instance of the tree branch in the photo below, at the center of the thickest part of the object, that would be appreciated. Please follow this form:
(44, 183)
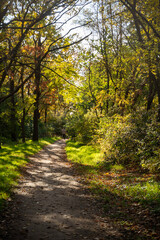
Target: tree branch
(2, 99)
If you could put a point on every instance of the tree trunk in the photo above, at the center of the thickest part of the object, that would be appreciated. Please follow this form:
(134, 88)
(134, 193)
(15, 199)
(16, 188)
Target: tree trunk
(45, 120)
(23, 126)
(105, 55)
(24, 110)
(37, 89)
(156, 80)
(36, 104)
(13, 113)
(152, 90)
(158, 92)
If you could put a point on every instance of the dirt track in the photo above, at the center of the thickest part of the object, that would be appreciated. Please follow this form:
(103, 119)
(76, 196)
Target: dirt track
(51, 204)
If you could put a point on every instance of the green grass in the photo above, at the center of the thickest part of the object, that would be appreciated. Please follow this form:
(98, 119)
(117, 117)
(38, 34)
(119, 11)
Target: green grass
(136, 186)
(144, 192)
(86, 158)
(12, 158)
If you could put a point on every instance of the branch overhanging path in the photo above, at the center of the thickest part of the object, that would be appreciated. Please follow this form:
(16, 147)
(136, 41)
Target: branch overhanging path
(2, 99)
(70, 83)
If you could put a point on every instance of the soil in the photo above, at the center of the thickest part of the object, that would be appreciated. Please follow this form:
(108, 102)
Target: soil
(51, 203)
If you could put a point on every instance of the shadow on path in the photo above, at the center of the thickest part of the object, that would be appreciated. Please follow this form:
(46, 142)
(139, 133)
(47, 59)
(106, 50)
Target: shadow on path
(50, 203)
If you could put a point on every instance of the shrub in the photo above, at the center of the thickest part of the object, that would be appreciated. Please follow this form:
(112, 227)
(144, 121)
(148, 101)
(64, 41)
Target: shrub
(131, 140)
(82, 127)
(117, 141)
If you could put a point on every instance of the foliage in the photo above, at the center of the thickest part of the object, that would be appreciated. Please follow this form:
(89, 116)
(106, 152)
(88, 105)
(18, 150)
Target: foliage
(57, 123)
(131, 140)
(82, 126)
(107, 94)
(34, 64)
(46, 130)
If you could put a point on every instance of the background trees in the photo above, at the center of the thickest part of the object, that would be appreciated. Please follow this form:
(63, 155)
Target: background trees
(107, 93)
(30, 44)
(120, 82)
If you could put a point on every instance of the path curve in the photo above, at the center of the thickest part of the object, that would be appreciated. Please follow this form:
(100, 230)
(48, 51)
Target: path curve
(51, 204)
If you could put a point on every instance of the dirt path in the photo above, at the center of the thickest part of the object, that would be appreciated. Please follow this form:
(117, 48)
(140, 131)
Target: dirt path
(51, 204)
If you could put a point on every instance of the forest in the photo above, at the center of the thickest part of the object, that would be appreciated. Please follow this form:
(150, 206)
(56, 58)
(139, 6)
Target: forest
(89, 68)
(105, 91)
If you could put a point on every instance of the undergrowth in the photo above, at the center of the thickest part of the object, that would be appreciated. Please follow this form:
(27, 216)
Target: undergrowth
(128, 184)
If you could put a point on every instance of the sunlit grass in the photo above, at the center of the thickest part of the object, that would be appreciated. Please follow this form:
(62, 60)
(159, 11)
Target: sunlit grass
(115, 179)
(144, 192)
(12, 158)
(86, 158)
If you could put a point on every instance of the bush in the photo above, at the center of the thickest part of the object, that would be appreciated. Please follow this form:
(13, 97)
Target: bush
(46, 130)
(117, 141)
(82, 127)
(131, 140)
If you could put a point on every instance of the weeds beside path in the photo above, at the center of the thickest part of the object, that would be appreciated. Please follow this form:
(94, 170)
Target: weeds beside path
(131, 199)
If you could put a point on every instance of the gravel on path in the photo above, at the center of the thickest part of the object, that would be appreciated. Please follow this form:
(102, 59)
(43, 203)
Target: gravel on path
(51, 204)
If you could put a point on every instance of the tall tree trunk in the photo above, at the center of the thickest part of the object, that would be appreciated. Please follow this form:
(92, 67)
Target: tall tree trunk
(152, 90)
(45, 115)
(156, 80)
(24, 110)
(158, 92)
(105, 54)
(13, 113)
(23, 125)
(37, 89)
(36, 104)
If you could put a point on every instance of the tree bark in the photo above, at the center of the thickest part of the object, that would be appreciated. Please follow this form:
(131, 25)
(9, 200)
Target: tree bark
(24, 110)
(36, 104)
(13, 113)
(37, 91)
(152, 90)
(45, 120)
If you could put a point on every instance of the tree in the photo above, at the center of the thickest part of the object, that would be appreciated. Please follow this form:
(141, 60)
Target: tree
(146, 22)
(26, 21)
(23, 21)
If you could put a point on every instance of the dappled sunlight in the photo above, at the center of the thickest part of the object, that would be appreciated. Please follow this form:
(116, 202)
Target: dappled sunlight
(12, 161)
(53, 204)
(122, 192)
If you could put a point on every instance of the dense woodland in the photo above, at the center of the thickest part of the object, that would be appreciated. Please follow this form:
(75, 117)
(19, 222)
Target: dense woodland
(103, 88)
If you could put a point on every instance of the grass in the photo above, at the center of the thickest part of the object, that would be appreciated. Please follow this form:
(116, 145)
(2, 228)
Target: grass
(86, 158)
(12, 158)
(115, 179)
